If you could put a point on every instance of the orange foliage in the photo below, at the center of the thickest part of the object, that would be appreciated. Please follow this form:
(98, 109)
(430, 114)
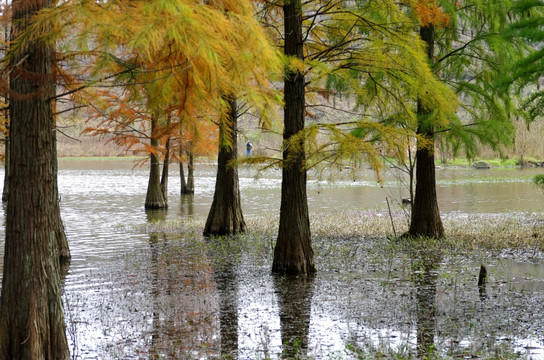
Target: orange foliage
(429, 12)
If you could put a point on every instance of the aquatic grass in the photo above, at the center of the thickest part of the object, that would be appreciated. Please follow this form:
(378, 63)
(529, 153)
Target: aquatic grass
(486, 180)
(539, 180)
(498, 162)
(465, 233)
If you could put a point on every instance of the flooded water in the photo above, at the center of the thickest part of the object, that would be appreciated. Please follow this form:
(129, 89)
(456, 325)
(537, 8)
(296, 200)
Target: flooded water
(141, 296)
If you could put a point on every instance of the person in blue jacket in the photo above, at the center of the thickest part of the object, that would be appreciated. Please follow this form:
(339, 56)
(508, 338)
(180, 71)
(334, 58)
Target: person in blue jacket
(248, 148)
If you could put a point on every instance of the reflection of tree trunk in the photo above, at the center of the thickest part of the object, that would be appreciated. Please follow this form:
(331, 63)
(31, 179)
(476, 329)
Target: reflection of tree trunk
(425, 213)
(31, 315)
(187, 205)
(153, 216)
(228, 310)
(293, 253)
(154, 198)
(225, 215)
(295, 305)
(424, 276)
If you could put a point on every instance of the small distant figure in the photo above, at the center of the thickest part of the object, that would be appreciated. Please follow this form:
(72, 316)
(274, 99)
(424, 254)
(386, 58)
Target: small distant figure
(248, 148)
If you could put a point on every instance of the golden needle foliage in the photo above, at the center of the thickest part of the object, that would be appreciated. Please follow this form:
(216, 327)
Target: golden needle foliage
(133, 60)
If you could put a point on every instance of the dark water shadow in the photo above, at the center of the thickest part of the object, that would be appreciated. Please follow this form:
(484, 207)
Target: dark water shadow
(294, 296)
(424, 274)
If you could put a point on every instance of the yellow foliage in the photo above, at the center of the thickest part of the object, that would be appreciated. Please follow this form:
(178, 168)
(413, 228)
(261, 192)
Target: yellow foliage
(163, 58)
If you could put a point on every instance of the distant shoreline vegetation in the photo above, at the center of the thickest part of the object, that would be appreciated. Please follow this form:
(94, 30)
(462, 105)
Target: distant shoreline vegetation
(455, 162)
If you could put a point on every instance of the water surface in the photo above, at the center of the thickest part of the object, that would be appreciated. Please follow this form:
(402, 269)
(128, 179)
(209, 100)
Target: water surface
(131, 296)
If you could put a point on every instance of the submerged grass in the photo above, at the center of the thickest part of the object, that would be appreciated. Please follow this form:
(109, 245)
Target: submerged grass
(464, 232)
(361, 262)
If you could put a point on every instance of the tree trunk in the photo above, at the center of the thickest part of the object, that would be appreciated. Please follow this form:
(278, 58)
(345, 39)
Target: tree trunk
(182, 175)
(225, 215)
(187, 187)
(31, 314)
(6, 170)
(190, 189)
(165, 167)
(426, 220)
(62, 241)
(154, 198)
(293, 253)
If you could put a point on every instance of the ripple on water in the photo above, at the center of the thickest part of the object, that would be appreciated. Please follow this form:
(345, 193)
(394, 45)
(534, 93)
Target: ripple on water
(134, 296)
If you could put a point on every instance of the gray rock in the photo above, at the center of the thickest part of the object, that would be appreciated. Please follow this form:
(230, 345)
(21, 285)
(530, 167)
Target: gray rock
(481, 165)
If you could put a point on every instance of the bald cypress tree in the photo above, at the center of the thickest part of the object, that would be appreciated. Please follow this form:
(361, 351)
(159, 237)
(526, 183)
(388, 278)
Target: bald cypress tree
(425, 213)
(31, 314)
(293, 253)
(467, 53)
(225, 216)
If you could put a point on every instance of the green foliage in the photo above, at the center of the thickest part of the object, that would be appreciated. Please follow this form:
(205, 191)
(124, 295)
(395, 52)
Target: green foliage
(471, 59)
(369, 52)
(539, 181)
(525, 73)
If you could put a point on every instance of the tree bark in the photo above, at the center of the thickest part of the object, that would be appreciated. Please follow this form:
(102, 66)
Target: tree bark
(31, 314)
(293, 253)
(183, 182)
(190, 188)
(426, 220)
(187, 186)
(165, 168)
(6, 170)
(225, 215)
(154, 198)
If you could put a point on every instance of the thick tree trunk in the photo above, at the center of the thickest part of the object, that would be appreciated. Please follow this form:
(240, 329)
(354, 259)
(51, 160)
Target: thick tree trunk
(426, 220)
(293, 253)
(154, 198)
(225, 215)
(31, 314)
(62, 241)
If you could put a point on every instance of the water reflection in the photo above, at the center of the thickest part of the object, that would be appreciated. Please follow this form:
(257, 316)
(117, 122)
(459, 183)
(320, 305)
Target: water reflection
(131, 296)
(225, 278)
(294, 296)
(424, 268)
(187, 205)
